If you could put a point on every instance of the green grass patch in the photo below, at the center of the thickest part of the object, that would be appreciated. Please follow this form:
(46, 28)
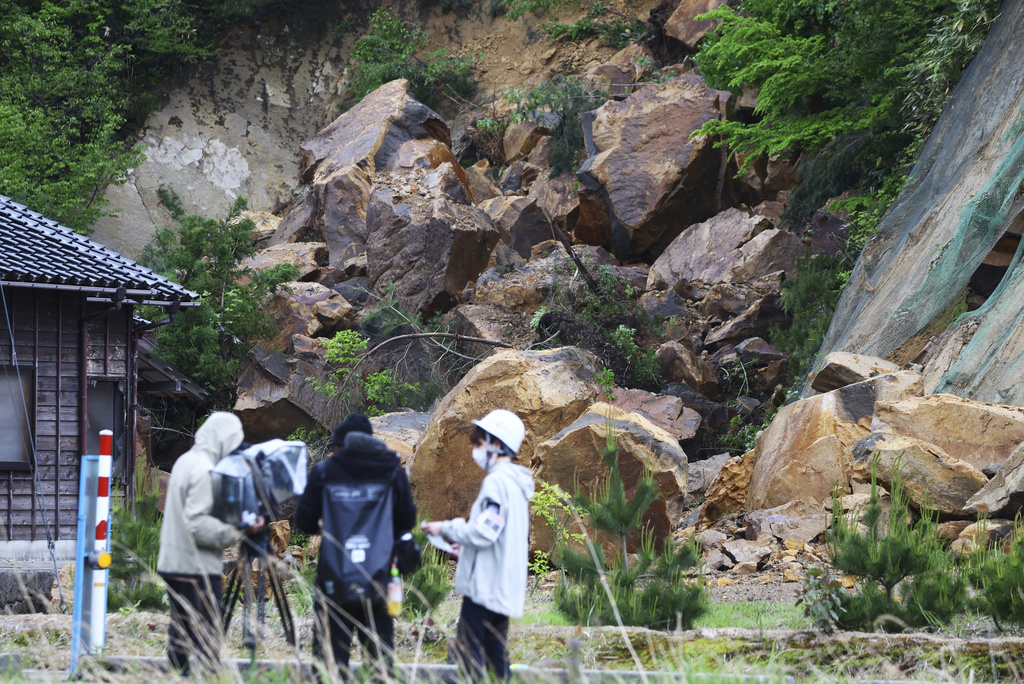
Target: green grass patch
(753, 615)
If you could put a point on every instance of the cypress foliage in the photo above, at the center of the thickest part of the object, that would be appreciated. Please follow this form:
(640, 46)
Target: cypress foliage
(653, 591)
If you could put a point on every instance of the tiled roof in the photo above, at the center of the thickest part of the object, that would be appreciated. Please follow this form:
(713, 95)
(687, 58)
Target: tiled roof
(37, 251)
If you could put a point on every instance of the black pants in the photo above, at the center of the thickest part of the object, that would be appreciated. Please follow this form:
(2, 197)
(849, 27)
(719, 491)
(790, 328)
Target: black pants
(195, 627)
(369, 620)
(482, 641)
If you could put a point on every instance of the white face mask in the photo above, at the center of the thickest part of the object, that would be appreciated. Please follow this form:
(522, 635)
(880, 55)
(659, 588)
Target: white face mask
(481, 456)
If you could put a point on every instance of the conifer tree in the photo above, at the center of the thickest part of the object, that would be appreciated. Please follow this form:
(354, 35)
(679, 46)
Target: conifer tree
(654, 591)
(906, 577)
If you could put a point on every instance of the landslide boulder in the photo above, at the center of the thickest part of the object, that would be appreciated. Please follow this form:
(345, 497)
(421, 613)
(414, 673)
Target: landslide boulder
(684, 26)
(727, 493)
(521, 222)
(980, 434)
(574, 456)
(401, 431)
(930, 476)
(799, 456)
(732, 246)
(547, 389)
(646, 179)
(664, 410)
(843, 368)
(339, 163)
(274, 396)
(680, 363)
(424, 242)
(307, 257)
(1003, 495)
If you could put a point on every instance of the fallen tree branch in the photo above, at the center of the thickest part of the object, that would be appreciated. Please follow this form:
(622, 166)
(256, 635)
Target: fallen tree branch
(560, 237)
(451, 336)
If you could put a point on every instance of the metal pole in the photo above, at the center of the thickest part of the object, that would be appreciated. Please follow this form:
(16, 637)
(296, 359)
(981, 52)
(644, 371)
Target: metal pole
(92, 553)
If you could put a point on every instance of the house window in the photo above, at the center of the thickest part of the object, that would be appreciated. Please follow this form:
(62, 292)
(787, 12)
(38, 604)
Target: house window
(17, 407)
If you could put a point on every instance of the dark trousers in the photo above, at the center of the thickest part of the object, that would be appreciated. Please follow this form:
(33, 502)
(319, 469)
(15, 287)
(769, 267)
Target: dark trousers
(195, 627)
(337, 624)
(482, 641)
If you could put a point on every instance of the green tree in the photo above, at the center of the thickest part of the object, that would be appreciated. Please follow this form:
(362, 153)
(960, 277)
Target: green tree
(208, 341)
(906, 576)
(392, 50)
(653, 590)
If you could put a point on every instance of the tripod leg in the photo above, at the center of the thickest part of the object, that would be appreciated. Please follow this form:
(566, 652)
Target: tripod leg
(232, 587)
(263, 566)
(283, 609)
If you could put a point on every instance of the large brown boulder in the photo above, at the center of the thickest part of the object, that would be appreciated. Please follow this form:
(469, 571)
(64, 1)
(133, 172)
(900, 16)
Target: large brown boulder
(727, 493)
(274, 396)
(843, 368)
(799, 456)
(559, 197)
(680, 363)
(980, 434)
(684, 26)
(292, 318)
(547, 389)
(1003, 495)
(307, 257)
(646, 178)
(574, 456)
(664, 410)
(423, 242)
(733, 246)
(401, 431)
(482, 187)
(339, 163)
(758, 319)
(521, 222)
(930, 476)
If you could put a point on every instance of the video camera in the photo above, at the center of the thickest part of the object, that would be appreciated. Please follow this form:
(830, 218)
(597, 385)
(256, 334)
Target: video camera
(257, 479)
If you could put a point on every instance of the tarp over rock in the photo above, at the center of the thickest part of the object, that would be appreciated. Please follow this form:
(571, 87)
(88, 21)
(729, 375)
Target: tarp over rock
(934, 239)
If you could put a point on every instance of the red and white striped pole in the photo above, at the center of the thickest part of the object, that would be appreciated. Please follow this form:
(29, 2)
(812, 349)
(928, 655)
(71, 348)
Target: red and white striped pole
(102, 543)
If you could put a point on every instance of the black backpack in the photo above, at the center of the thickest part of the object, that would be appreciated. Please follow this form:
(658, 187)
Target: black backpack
(358, 539)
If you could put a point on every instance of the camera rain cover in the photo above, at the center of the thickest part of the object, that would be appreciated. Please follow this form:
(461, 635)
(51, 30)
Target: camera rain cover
(280, 466)
(283, 466)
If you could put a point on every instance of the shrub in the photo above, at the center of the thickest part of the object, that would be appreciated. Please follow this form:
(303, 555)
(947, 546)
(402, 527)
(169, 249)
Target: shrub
(207, 342)
(906, 577)
(135, 546)
(653, 591)
(391, 50)
(998, 576)
(430, 584)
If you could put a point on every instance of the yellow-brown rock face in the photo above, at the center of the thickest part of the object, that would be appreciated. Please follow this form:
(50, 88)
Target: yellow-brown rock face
(547, 389)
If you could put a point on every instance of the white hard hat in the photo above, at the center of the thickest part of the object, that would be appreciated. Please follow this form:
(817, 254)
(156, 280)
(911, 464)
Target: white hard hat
(504, 425)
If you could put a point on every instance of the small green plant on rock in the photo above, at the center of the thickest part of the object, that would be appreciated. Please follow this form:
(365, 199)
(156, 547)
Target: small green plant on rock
(906, 577)
(654, 590)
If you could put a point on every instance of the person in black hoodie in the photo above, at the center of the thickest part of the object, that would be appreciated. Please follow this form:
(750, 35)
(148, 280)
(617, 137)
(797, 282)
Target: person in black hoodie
(358, 457)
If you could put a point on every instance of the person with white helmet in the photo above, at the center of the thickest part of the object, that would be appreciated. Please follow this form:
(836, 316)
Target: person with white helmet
(493, 546)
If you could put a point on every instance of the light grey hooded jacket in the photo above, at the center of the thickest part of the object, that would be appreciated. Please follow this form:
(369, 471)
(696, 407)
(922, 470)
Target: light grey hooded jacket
(493, 571)
(192, 540)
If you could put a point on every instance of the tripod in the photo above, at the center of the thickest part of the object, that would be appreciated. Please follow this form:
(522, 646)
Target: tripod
(239, 584)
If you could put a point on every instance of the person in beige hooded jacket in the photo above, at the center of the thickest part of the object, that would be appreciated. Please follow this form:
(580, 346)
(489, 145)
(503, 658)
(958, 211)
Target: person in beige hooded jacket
(192, 543)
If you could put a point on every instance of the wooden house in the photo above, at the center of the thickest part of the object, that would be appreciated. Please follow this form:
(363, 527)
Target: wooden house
(69, 365)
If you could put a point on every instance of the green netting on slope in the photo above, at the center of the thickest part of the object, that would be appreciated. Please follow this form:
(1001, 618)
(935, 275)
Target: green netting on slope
(946, 223)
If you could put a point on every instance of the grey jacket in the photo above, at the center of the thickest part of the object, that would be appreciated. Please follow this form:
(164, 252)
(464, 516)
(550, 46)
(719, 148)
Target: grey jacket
(192, 540)
(492, 565)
